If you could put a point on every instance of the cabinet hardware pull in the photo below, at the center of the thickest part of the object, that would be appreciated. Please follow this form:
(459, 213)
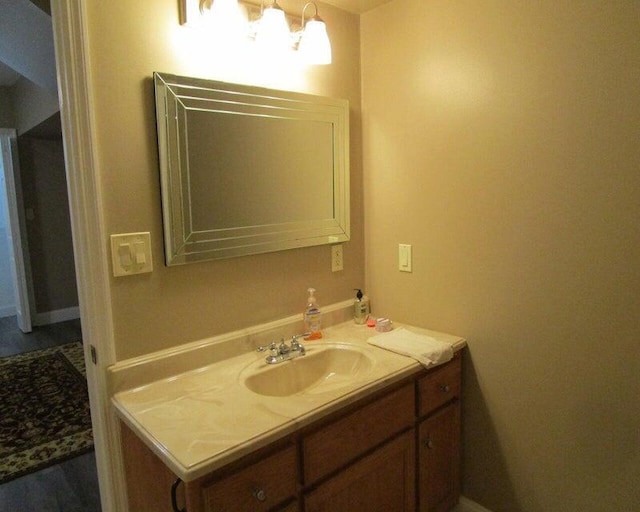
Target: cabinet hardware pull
(429, 444)
(445, 388)
(174, 498)
(259, 494)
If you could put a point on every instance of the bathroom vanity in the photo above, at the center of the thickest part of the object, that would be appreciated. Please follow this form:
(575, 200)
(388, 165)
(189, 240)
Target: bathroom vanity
(384, 435)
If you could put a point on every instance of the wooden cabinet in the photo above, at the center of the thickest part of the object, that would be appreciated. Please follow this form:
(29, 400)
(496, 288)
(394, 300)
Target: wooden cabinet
(439, 386)
(381, 482)
(338, 443)
(258, 487)
(439, 459)
(363, 458)
(148, 480)
(439, 438)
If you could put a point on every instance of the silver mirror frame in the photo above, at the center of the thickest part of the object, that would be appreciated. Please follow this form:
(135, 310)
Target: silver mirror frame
(175, 97)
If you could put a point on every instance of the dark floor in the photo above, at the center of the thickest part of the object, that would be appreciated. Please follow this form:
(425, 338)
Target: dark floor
(71, 486)
(14, 341)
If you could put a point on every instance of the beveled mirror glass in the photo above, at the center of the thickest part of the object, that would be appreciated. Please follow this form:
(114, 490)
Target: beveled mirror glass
(247, 170)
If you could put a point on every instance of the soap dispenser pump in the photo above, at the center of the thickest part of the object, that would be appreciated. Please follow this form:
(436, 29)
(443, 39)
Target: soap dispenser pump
(312, 317)
(360, 308)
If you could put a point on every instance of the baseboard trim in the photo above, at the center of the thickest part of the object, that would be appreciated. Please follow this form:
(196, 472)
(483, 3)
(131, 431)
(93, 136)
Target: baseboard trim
(467, 505)
(58, 315)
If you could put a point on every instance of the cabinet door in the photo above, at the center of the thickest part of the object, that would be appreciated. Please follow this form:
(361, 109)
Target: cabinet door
(439, 460)
(148, 479)
(258, 487)
(381, 482)
(337, 444)
(292, 507)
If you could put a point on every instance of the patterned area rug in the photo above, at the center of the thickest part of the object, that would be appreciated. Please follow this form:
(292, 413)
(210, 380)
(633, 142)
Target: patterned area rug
(44, 409)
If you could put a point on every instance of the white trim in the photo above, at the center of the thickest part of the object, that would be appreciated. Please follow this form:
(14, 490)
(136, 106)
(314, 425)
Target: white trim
(21, 261)
(57, 315)
(92, 269)
(467, 505)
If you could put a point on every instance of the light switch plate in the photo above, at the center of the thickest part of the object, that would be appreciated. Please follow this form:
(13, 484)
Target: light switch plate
(131, 253)
(405, 263)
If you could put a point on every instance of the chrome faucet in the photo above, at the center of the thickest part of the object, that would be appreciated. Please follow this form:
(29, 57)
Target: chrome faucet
(284, 352)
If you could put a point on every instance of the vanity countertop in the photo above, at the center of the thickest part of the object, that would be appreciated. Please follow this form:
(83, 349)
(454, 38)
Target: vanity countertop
(204, 418)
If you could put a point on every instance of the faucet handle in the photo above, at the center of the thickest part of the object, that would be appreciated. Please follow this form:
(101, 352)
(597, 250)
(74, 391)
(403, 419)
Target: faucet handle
(296, 337)
(295, 341)
(271, 346)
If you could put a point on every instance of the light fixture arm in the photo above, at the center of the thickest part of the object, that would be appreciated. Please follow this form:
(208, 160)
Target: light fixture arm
(204, 5)
(315, 16)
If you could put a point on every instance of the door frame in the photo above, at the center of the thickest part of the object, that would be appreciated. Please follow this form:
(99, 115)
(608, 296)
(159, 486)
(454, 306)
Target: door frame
(69, 18)
(21, 264)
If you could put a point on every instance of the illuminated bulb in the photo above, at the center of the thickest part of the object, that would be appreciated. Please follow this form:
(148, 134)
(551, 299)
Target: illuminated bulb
(314, 46)
(227, 20)
(273, 31)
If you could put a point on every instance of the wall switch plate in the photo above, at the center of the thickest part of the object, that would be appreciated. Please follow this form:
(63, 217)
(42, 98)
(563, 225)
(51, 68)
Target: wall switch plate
(131, 253)
(404, 258)
(337, 263)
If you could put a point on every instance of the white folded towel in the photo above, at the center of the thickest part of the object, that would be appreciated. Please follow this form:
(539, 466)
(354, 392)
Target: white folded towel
(425, 349)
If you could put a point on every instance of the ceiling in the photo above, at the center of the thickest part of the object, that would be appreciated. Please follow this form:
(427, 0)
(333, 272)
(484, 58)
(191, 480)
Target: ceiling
(357, 6)
(26, 43)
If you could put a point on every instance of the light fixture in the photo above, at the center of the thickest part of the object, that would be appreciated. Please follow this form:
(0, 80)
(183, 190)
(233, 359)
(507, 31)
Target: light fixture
(227, 19)
(272, 32)
(266, 25)
(314, 46)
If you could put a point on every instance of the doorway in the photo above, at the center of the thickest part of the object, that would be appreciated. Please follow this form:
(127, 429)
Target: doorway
(73, 482)
(10, 144)
(17, 284)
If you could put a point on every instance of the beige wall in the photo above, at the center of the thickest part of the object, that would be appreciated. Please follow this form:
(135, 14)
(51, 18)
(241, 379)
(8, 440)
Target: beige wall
(129, 41)
(501, 139)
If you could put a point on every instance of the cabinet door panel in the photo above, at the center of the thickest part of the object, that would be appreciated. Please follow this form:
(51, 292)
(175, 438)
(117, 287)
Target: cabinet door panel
(381, 482)
(340, 442)
(292, 507)
(148, 479)
(439, 460)
(257, 488)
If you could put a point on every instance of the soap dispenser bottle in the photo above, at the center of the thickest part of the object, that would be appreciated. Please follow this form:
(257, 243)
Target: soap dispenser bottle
(312, 317)
(360, 308)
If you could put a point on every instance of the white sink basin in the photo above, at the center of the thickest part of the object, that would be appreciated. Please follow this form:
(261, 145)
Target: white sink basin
(325, 367)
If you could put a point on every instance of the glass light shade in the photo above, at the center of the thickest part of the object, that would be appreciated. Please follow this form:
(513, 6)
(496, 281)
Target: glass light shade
(273, 31)
(314, 46)
(227, 19)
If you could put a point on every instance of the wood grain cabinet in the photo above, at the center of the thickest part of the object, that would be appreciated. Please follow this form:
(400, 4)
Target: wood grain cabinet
(337, 443)
(360, 459)
(439, 460)
(383, 481)
(259, 487)
(439, 438)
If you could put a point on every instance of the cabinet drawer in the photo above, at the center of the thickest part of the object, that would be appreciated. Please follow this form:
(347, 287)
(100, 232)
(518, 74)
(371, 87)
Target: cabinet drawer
(439, 386)
(383, 481)
(258, 487)
(339, 442)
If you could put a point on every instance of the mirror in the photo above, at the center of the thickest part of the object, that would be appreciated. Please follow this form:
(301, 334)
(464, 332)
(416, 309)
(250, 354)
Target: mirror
(247, 170)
